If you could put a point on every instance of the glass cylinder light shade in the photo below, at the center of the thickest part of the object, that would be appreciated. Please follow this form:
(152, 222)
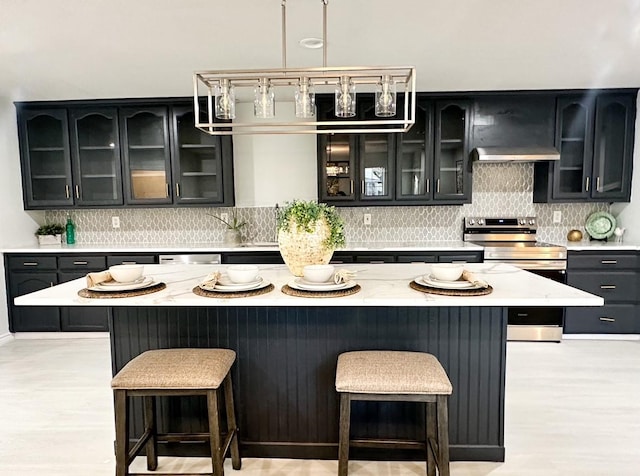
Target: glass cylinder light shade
(264, 100)
(305, 99)
(225, 100)
(386, 97)
(345, 98)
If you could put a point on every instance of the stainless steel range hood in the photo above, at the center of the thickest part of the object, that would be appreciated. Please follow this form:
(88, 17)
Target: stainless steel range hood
(514, 154)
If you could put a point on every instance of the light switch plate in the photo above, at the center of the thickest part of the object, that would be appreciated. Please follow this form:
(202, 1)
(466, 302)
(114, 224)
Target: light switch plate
(224, 217)
(367, 218)
(557, 216)
(115, 222)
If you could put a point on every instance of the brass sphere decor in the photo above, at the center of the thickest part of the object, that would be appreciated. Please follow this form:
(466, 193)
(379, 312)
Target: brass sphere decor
(574, 235)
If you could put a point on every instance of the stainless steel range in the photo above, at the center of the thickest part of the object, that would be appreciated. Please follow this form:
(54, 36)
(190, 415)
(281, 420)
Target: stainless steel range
(513, 240)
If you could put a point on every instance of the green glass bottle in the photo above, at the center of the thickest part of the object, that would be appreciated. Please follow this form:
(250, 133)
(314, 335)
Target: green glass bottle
(70, 230)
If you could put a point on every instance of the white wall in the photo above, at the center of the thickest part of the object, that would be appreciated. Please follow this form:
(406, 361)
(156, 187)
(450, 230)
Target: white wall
(628, 214)
(274, 168)
(17, 225)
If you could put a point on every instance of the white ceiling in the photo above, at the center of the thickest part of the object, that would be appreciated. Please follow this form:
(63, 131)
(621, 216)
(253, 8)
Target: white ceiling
(69, 49)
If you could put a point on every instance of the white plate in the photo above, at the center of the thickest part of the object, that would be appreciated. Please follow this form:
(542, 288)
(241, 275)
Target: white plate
(145, 283)
(426, 281)
(225, 283)
(302, 285)
(234, 288)
(118, 283)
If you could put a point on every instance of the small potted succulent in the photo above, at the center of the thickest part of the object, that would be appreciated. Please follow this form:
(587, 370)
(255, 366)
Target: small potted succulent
(234, 224)
(50, 234)
(308, 233)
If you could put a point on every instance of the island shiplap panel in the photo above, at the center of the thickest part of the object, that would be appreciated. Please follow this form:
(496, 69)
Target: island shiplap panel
(285, 372)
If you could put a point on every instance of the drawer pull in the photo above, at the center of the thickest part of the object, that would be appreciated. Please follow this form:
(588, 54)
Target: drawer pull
(50, 284)
(129, 262)
(29, 263)
(80, 263)
(376, 262)
(607, 319)
(609, 261)
(608, 286)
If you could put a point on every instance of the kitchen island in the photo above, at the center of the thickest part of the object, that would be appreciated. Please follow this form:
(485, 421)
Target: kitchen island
(287, 348)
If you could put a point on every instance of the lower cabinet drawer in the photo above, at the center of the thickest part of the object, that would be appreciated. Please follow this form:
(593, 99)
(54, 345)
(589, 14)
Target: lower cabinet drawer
(89, 263)
(612, 286)
(608, 319)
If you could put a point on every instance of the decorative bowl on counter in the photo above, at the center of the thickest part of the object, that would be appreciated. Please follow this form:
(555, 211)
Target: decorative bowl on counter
(318, 273)
(126, 273)
(447, 271)
(242, 273)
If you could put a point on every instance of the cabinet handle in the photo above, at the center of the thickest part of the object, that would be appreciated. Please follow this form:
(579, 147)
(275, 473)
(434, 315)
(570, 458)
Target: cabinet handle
(351, 187)
(609, 261)
(428, 183)
(51, 284)
(66, 191)
(362, 187)
(608, 286)
(29, 263)
(168, 191)
(438, 186)
(376, 262)
(77, 191)
(598, 184)
(177, 189)
(587, 185)
(129, 262)
(607, 319)
(80, 263)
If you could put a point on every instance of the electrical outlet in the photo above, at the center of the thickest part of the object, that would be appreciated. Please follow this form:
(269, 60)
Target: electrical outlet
(224, 217)
(367, 218)
(557, 216)
(115, 222)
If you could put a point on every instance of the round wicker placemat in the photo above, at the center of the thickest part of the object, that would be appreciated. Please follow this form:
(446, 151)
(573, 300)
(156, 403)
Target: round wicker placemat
(87, 293)
(286, 289)
(450, 292)
(238, 294)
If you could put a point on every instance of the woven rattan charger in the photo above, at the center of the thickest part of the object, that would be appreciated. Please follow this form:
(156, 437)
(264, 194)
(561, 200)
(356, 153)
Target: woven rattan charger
(235, 294)
(450, 292)
(286, 289)
(88, 293)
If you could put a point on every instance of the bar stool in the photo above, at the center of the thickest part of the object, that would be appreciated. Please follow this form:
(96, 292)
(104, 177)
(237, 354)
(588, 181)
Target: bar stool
(402, 377)
(176, 372)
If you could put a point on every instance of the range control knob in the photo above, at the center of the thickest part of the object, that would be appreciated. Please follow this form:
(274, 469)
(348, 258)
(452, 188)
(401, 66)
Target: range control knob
(480, 221)
(472, 221)
(532, 222)
(522, 221)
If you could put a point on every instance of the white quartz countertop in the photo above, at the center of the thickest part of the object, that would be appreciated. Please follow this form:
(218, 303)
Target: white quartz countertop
(382, 285)
(454, 245)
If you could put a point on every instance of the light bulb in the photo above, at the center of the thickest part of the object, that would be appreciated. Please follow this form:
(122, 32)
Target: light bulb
(305, 99)
(225, 100)
(345, 98)
(264, 99)
(385, 97)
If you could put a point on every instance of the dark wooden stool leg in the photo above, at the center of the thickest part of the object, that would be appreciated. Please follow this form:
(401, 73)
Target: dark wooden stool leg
(217, 457)
(431, 438)
(151, 447)
(121, 407)
(343, 445)
(443, 435)
(232, 426)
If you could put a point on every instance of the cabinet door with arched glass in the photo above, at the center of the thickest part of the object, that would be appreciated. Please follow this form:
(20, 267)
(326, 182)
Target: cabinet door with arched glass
(613, 147)
(197, 167)
(415, 158)
(44, 143)
(145, 138)
(95, 150)
(451, 151)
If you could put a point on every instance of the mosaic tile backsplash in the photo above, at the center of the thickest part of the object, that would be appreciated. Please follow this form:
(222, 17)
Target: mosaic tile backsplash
(498, 190)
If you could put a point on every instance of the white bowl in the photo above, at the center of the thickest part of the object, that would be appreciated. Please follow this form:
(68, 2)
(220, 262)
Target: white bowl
(243, 273)
(318, 273)
(447, 271)
(126, 273)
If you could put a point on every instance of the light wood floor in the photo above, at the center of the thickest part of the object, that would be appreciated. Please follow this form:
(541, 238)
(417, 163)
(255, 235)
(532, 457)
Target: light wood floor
(572, 409)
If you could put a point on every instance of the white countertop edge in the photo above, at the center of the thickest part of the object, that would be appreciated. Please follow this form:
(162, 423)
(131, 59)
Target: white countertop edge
(382, 285)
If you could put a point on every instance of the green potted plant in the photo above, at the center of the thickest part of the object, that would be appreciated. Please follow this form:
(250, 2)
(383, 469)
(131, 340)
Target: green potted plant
(50, 234)
(234, 224)
(308, 233)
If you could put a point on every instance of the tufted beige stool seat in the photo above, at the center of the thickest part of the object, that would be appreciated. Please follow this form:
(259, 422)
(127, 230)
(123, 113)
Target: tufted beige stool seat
(175, 372)
(396, 376)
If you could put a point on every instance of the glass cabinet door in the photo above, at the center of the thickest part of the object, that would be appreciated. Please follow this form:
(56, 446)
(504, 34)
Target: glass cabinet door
(96, 156)
(612, 157)
(145, 136)
(574, 141)
(45, 145)
(451, 154)
(375, 166)
(337, 172)
(197, 168)
(414, 158)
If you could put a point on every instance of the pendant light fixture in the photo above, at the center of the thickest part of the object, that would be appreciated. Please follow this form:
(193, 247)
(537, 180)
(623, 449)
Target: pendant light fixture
(217, 88)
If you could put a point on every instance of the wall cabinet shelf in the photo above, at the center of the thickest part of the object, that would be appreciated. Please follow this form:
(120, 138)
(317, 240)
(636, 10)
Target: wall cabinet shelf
(97, 154)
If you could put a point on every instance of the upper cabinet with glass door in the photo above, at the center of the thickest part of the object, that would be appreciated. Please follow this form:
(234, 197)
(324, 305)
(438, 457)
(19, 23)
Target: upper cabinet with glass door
(146, 154)
(45, 157)
(95, 151)
(594, 134)
(197, 162)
